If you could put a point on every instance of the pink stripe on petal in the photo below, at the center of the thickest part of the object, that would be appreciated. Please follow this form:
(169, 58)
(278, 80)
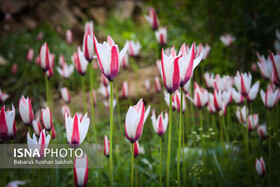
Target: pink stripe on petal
(160, 126)
(97, 54)
(140, 124)
(75, 138)
(30, 111)
(114, 63)
(3, 124)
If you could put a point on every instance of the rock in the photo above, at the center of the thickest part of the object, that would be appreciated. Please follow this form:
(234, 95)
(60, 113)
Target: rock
(124, 9)
(98, 14)
(29, 23)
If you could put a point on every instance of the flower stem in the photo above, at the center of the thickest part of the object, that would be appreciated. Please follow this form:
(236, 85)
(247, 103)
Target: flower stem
(246, 128)
(169, 141)
(111, 133)
(47, 88)
(224, 127)
(185, 132)
(84, 93)
(92, 105)
(179, 140)
(221, 129)
(160, 167)
(132, 160)
(201, 127)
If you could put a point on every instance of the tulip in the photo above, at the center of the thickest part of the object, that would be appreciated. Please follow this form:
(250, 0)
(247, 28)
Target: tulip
(53, 132)
(76, 129)
(161, 35)
(40, 36)
(237, 97)
(125, 90)
(106, 146)
(260, 167)
(81, 62)
(109, 57)
(69, 36)
(136, 149)
(30, 54)
(186, 88)
(254, 67)
(270, 97)
(93, 97)
(125, 61)
(107, 104)
(134, 121)
(253, 121)
(262, 131)
(50, 73)
(65, 95)
(81, 171)
(223, 110)
(241, 114)
(210, 105)
(157, 85)
(243, 83)
(14, 68)
(37, 127)
(147, 84)
(200, 98)
(16, 183)
(61, 60)
(104, 80)
(104, 90)
(222, 83)
(153, 19)
(209, 80)
(276, 68)
(45, 57)
(160, 123)
(158, 64)
(46, 118)
(7, 123)
(187, 64)
(253, 91)
(167, 100)
(265, 66)
(25, 110)
(170, 71)
(134, 48)
(206, 51)
(66, 70)
(3, 96)
(89, 27)
(227, 39)
(227, 96)
(88, 46)
(40, 145)
(176, 101)
(218, 100)
(65, 110)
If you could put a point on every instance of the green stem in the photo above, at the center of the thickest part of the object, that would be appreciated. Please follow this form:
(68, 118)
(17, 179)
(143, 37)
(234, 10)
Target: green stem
(246, 128)
(221, 129)
(131, 170)
(229, 125)
(92, 105)
(179, 140)
(160, 167)
(169, 141)
(224, 127)
(84, 93)
(47, 88)
(183, 137)
(201, 133)
(111, 133)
